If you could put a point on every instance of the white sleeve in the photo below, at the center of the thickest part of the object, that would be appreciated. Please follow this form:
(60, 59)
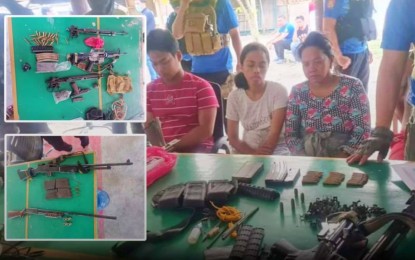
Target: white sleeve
(279, 96)
(232, 106)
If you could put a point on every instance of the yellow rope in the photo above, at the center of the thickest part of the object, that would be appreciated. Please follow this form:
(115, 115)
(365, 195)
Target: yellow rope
(227, 213)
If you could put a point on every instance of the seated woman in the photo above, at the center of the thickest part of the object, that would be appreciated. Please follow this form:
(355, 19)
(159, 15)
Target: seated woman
(257, 104)
(328, 115)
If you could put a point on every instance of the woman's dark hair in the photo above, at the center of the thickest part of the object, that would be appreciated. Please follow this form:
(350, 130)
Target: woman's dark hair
(240, 80)
(162, 40)
(254, 46)
(318, 40)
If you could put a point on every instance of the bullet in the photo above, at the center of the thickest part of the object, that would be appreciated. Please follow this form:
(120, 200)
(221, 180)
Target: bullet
(302, 197)
(296, 193)
(292, 204)
(281, 207)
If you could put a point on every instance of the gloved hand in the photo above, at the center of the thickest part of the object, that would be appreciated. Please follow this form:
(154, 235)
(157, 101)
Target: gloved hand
(379, 140)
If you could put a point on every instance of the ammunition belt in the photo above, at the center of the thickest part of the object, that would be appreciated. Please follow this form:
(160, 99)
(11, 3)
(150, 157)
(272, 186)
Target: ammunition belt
(42, 57)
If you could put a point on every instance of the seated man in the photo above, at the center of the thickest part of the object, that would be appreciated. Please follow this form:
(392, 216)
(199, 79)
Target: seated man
(301, 32)
(185, 104)
(283, 39)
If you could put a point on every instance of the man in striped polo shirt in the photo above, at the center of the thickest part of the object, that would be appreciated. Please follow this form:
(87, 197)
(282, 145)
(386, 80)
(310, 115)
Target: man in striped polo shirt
(185, 104)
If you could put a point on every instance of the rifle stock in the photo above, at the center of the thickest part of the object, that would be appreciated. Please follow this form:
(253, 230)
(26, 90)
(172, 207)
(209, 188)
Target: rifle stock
(15, 214)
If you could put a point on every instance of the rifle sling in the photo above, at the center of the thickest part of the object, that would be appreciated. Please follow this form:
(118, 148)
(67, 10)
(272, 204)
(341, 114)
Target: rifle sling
(372, 225)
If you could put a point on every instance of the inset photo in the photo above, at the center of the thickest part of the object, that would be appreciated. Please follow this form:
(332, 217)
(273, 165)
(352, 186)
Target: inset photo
(75, 187)
(74, 68)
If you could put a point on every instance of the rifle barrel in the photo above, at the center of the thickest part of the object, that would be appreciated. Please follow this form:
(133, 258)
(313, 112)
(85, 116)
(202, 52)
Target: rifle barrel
(64, 213)
(107, 164)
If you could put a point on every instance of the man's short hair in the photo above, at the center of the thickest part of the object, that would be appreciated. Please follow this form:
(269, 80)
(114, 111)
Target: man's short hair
(299, 17)
(162, 40)
(282, 17)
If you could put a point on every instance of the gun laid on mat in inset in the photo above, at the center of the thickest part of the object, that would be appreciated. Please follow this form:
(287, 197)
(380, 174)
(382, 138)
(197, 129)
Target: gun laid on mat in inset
(55, 82)
(74, 31)
(55, 166)
(52, 214)
(86, 61)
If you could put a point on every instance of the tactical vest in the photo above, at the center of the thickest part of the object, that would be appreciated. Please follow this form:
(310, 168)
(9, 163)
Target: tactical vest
(358, 22)
(200, 29)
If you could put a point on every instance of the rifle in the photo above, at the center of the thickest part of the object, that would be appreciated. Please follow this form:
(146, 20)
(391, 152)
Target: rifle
(96, 56)
(55, 166)
(347, 239)
(52, 214)
(74, 31)
(54, 82)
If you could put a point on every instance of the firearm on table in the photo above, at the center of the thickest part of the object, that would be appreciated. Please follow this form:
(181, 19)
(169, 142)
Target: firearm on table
(396, 232)
(50, 168)
(96, 56)
(74, 31)
(55, 82)
(344, 238)
(52, 214)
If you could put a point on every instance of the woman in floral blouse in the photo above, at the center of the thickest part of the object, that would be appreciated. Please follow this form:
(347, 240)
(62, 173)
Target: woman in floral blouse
(328, 115)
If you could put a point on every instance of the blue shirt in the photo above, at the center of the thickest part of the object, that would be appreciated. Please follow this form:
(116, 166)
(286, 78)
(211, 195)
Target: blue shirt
(151, 22)
(335, 9)
(222, 60)
(287, 28)
(399, 31)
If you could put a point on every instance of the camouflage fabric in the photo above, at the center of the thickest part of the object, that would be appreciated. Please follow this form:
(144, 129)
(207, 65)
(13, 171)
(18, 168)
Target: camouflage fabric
(325, 144)
(227, 86)
(200, 29)
(410, 138)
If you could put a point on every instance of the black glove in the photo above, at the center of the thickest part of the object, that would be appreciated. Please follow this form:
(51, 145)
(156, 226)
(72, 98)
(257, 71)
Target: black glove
(380, 140)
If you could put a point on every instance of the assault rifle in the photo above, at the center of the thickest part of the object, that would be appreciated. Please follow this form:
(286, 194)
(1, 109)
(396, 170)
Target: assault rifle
(52, 214)
(54, 82)
(55, 166)
(345, 239)
(74, 31)
(96, 56)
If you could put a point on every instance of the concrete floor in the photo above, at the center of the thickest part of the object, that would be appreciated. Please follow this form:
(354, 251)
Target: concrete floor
(125, 186)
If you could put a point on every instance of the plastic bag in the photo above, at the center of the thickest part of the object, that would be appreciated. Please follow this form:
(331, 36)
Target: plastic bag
(159, 163)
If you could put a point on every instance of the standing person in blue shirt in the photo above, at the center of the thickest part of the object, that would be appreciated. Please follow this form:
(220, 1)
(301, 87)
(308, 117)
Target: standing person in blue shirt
(186, 57)
(212, 58)
(344, 22)
(283, 39)
(150, 25)
(398, 34)
(301, 32)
